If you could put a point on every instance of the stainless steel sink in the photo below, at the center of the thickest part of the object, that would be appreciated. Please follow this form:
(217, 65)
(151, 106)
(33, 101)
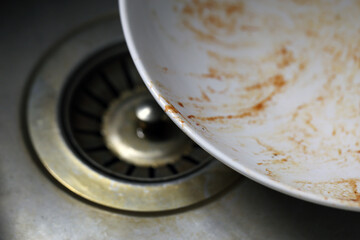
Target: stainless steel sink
(34, 205)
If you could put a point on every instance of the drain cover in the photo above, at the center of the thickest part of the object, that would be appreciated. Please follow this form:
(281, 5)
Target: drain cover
(92, 124)
(99, 120)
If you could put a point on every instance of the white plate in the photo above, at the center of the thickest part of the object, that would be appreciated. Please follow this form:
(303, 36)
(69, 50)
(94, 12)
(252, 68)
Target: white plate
(270, 88)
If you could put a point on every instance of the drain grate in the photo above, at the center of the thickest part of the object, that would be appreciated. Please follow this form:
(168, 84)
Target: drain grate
(109, 78)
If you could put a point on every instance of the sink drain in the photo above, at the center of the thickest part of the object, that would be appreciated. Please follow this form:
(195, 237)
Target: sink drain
(99, 120)
(96, 129)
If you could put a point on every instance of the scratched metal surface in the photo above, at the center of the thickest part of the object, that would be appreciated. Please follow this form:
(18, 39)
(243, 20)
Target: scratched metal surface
(270, 88)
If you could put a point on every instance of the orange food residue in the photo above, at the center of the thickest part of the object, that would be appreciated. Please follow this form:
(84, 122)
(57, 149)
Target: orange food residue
(170, 108)
(277, 81)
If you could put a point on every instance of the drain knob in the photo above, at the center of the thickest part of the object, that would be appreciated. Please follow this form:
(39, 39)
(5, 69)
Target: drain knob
(149, 112)
(152, 121)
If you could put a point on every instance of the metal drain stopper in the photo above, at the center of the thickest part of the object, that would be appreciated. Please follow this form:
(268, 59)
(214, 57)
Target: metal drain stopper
(136, 130)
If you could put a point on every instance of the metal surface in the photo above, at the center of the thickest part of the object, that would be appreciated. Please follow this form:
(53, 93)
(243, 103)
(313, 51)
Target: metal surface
(270, 88)
(34, 207)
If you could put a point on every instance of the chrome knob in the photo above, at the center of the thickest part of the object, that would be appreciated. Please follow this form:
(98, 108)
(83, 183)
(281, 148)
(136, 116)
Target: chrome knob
(153, 123)
(149, 112)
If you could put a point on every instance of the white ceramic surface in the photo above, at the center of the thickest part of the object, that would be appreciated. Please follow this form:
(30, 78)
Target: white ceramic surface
(270, 88)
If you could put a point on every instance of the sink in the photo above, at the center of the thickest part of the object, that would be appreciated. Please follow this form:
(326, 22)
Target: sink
(35, 205)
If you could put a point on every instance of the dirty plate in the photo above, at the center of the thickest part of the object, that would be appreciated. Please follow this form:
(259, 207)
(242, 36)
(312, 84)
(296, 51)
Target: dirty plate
(270, 88)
